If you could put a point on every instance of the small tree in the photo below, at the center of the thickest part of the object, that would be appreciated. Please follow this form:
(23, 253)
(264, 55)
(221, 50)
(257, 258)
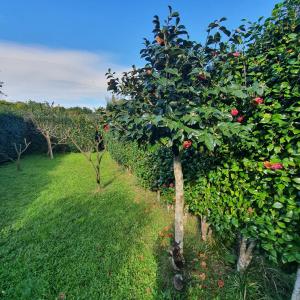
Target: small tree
(50, 122)
(84, 133)
(174, 102)
(20, 149)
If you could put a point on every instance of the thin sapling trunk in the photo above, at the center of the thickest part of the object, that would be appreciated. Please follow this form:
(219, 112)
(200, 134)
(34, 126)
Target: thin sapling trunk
(158, 195)
(97, 168)
(179, 202)
(20, 149)
(87, 149)
(176, 251)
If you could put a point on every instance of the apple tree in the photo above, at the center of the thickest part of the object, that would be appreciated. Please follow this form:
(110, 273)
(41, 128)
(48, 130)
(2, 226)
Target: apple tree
(50, 121)
(173, 101)
(86, 132)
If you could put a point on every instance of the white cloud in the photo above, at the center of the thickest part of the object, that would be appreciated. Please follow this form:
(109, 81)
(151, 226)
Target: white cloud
(67, 77)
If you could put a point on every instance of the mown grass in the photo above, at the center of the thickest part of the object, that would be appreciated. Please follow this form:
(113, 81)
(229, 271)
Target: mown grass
(59, 236)
(59, 239)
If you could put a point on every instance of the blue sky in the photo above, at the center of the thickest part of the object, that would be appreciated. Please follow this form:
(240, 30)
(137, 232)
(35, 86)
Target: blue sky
(60, 50)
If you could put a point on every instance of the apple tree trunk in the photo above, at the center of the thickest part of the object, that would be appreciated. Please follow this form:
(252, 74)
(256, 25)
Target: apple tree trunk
(18, 163)
(245, 255)
(48, 139)
(179, 203)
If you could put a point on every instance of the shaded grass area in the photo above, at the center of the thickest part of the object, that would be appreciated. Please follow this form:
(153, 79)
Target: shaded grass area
(210, 272)
(59, 239)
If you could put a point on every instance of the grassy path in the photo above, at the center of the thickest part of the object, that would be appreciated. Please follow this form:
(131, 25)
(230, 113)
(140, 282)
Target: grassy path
(59, 236)
(61, 240)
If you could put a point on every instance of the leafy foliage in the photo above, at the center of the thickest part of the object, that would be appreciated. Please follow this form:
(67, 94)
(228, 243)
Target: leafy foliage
(152, 166)
(236, 100)
(171, 98)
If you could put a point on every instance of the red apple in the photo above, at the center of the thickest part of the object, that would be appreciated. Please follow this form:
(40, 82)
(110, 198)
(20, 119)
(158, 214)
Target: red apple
(258, 100)
(187, 144)
(106, 127)
(160, 41)
(234, 112)
(240, 119)
(276, 166)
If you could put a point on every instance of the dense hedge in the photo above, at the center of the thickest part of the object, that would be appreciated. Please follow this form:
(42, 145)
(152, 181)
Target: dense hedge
(255, 192)
(153, 167)
(13, 129)
(234, 196)
(242, 197)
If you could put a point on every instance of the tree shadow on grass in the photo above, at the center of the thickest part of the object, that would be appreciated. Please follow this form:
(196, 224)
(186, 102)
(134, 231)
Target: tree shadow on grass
(19, 189)
(82, 245)
(110, 181)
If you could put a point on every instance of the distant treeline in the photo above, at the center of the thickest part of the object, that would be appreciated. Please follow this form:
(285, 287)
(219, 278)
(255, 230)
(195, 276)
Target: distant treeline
(16, 124)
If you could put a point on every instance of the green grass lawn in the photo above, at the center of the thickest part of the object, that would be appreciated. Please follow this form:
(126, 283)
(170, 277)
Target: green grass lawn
(60, 239)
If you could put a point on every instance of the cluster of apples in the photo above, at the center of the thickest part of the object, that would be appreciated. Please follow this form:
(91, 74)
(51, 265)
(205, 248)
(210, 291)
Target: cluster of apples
(235, 112)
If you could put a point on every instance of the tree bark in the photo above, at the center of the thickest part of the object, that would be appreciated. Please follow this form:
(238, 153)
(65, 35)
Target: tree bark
(158, 195)
(246, 254)
(98, 178)
(179, 204)
(296, 291)
(205, 230)
(48, 139)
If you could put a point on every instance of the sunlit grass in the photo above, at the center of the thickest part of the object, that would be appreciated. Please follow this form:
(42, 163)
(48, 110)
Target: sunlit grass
(59, 236)
(60, 239)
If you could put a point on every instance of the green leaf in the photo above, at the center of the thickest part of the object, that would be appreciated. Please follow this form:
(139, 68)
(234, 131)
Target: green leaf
(175, 14)
(235, 222)
(266, 118)
(209, 141)
(293, 36)
(172, 71)
(239, 94)
(277, 205)
(297, 180)
(225, 30)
